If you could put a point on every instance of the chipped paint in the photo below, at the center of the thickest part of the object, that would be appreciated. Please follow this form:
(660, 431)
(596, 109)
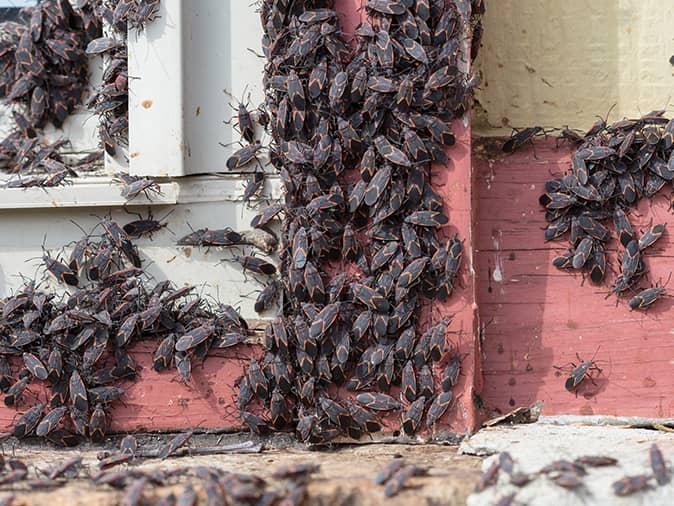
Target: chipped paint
(497, 275)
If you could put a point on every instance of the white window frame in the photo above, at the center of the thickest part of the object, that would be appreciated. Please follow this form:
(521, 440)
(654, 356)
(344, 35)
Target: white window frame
(177, 105)
(177, 110)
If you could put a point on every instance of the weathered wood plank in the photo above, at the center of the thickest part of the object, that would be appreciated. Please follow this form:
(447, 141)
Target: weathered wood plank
(536, 317)
(453, 183)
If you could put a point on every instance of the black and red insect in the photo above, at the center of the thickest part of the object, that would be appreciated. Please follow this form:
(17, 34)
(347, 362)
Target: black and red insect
(579, 373)
(645, 298)
(62, 272)
(145, 226)
(174, 445)
(28, 422)
(631, 484)
(255, 264)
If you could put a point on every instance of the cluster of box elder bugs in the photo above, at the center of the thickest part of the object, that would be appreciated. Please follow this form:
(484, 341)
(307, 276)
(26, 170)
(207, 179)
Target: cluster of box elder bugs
(44, 58)
(570, 474)
(44, 66)
(219, 486)
(613, 167)
(355, 130)
(111, 100)
(76, 345)
(44, 78)
(287, 484)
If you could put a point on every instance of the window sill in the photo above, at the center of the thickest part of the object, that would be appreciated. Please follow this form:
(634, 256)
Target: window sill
(84, 192)
(102, 191)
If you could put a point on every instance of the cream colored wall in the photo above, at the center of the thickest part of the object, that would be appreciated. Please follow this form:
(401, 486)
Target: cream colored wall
(562, 62)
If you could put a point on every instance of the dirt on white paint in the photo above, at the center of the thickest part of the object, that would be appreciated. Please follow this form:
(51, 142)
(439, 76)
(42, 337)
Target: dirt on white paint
(555, 64)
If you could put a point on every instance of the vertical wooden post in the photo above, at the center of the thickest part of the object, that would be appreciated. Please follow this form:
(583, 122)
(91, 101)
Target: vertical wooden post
(454, 183)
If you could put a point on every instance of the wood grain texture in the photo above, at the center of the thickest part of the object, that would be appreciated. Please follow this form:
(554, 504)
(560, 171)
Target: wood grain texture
(536, 318)
(453, 183)
(160, 401)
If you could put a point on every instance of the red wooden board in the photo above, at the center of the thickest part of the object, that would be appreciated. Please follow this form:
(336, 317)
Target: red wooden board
(160, 401)
(536, 317)
(453, 183)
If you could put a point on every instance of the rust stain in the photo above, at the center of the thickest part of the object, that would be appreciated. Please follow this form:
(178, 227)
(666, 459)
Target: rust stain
(135, 154)
(586, 410)
(188, 252)
(649, 382)
(146, 104)
(572, 324)
(512, 382)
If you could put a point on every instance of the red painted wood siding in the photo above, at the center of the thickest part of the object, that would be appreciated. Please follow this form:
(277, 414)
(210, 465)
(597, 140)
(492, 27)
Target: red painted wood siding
(537, 317)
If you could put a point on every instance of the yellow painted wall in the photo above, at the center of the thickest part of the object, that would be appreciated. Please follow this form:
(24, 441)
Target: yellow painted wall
(562, 62)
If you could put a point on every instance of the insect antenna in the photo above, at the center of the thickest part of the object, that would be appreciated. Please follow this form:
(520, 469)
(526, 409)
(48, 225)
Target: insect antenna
(247, 295)
(232, 143)
(256, 53)
(669, 278)
(140, 216)
(605, 120)
(166, 224)
(595, 353)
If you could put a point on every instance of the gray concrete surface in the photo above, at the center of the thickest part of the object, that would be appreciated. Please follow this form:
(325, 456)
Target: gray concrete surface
(533, 446)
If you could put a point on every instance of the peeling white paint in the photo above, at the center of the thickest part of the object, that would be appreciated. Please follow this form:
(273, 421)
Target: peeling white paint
(497, 275)
(490, 177)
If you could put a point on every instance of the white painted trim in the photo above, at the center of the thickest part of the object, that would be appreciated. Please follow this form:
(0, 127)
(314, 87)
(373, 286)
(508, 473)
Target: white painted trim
(226, 187)
(102, 191)
(179, 67)
(96, 192)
